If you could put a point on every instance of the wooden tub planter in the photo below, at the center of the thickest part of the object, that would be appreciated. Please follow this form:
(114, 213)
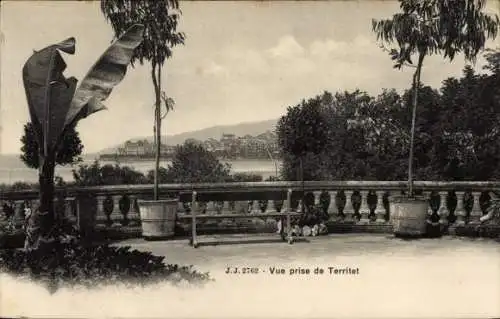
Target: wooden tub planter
(409, 216)
(158, 218)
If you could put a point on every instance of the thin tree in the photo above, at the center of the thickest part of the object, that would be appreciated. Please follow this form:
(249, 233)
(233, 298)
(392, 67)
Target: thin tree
(424, 28)
(160, 18)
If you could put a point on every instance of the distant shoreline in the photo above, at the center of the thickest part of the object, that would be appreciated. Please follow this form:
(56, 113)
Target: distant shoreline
(127, 159)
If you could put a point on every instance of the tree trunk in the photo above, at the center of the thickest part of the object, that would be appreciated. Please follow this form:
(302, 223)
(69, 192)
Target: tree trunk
(416, 83)
(40, 225)
(156, 71)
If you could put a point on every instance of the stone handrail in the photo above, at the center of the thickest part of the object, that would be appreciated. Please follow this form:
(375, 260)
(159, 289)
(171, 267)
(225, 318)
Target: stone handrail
(354, 202)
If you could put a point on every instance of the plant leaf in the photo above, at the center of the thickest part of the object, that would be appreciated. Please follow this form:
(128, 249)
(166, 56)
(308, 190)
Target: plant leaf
(104, 75)
(48, 92)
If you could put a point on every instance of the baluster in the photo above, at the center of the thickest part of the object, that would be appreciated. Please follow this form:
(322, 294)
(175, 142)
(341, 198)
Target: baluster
(256, 207)
(443, 210)
(332, 206)
(101, 216)
(18, 213)
(68, 209)
(226, 207)
(460, 212)
(364, 210)
(476, 211)
(300, 206)
(317, 197)
(116, 216)
(133, 214)
(35, 204)
(270, 206)
(2, 213)
(180, 207)
(348, 209)
(380, 209)
(285, 207)
(211, 208)
(430, 210)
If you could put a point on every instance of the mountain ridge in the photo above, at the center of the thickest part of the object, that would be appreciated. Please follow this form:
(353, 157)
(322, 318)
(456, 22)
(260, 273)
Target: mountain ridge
(239, 129)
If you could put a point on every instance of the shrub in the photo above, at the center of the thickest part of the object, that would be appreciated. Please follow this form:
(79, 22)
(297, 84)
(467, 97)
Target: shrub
(245, 177)
(95, 174)
(71, 264)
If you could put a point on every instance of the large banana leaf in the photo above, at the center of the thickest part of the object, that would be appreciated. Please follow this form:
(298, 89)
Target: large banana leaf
(104, 75)
(48, 92)
(53, 102)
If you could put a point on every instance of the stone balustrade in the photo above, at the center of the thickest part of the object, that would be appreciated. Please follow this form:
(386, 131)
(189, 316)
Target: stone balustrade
(364, 205)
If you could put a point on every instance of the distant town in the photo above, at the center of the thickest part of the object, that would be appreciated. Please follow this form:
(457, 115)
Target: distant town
(229, 146)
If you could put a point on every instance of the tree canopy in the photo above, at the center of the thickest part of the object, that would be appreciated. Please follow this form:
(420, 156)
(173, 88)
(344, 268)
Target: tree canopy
(69, 150)
(367, 137)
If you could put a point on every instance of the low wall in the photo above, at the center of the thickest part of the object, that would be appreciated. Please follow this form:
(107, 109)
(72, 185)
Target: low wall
(352, 206)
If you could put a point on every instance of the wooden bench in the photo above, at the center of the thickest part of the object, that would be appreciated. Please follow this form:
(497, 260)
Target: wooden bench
(194, 215)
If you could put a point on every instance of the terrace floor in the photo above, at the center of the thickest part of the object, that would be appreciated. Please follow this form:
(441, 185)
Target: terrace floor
(449, 276)
(445, 277)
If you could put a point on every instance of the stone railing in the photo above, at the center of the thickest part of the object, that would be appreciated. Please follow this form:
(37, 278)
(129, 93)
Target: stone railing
(351, 205)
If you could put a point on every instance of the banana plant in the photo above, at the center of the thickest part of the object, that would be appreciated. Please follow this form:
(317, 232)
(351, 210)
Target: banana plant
(56, 103)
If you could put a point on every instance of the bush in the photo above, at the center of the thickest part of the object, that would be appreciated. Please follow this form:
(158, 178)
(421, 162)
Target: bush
(71, 264)
(17, 186)
(245, 177)
(95, 174)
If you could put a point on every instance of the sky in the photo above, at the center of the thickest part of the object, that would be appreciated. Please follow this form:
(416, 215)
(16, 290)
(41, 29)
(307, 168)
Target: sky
(242, 61)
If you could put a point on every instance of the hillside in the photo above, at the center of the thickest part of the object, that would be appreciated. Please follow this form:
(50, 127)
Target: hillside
(240, 129)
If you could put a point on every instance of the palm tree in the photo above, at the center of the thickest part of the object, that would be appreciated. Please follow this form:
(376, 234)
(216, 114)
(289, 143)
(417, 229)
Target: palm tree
(424, 28)
(160, 18)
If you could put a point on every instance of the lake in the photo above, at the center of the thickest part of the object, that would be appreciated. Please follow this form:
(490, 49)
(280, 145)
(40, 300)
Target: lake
(12, 169)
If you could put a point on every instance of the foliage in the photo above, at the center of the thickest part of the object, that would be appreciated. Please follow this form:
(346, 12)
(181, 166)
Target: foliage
(18, 186)
(56, 105)
(456, 134)
(160, 18)
(71, 264)
(437, 27)
(192, 163)
(97, 174)
(245, 177)
(69, 150)
(434, 27)
(304, 130)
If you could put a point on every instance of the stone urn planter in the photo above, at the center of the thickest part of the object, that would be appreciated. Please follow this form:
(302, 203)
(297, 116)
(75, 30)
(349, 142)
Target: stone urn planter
(408, 216)
(158, 218)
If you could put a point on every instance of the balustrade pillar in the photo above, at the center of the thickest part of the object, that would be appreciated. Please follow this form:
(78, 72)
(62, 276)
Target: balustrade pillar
(348, 208)
(69, 209)
(18, 213)
(476, 211)
(256, 207)
(443, 210)
(364, 210)
(210, 208)
(226, 207)
(270, 206)
(101, 216)
(332, 206)
(430, 210)
(116, 215)
(133, 215)
(300, 206)
(284, 207)
(180, 208)
(460, 212)
(317, 197)
(380, 209)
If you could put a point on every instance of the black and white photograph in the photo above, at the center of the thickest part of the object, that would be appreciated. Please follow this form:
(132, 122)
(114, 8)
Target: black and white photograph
(250, 159)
